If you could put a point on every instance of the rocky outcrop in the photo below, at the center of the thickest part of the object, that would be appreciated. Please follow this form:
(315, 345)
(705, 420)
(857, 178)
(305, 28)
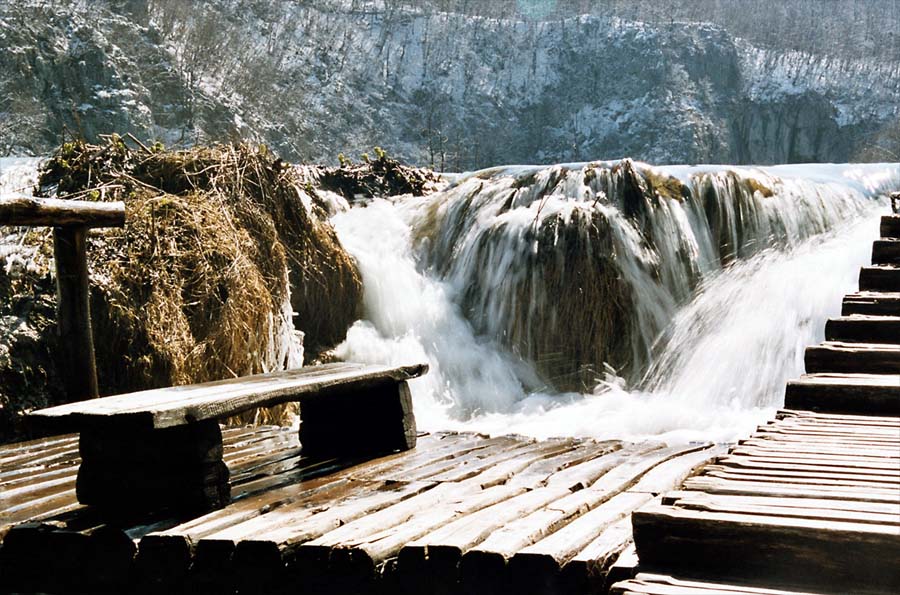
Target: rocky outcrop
(450, 90)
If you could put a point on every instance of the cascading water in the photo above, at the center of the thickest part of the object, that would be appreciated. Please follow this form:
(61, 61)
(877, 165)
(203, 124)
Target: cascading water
(671, 301)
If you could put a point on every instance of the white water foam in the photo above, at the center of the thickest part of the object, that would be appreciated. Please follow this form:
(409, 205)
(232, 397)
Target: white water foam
(718, 369)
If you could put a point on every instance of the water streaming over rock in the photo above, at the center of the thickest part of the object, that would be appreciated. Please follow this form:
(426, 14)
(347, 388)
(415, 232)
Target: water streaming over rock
(678, 298)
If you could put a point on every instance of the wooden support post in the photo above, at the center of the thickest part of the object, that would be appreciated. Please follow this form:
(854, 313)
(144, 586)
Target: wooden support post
(79, 370)
(129, 471)
(381, 421)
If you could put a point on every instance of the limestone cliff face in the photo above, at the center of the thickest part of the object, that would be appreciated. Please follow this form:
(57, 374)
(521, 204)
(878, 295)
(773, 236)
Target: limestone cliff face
(316, 79)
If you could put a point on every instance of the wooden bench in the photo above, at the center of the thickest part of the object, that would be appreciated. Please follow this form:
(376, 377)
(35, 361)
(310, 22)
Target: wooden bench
(162, 448)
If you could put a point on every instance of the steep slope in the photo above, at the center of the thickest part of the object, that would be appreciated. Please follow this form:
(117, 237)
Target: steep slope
(457, 91)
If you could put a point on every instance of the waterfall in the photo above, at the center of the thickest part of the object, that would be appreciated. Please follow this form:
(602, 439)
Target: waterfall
(610, 298)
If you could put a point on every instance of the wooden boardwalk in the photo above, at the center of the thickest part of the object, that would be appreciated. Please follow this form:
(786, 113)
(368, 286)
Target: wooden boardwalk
(457, 511)
(810, 503)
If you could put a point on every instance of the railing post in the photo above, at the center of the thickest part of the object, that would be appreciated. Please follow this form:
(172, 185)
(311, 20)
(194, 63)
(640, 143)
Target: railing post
(79, 368)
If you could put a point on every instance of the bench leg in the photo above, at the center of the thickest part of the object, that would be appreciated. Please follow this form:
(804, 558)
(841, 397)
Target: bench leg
(363, 422)
(127, 471)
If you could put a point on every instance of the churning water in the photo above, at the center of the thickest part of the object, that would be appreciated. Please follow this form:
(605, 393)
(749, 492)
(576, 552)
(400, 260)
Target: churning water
(611, 300)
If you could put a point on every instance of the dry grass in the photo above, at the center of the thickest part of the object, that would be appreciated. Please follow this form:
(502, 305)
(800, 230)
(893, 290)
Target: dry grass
(193, 288)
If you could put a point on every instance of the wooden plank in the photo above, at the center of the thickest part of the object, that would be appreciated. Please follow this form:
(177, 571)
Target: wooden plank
(854, 358)
(886, 252)
(356, 550)
(812, 417)
(53, 212)
(884, 513)
(879, 278)
(167, 407)
(846, 393)
(890, 226)
(737, 487)
(655, 584)
(837, 455)
(864, 329)
(813, 553)
(164, 557)
(485, 564)
(871, 303)
(538, 567)
(792, 478)
(267, 542)
(588, 571)
(846, 465)
(435, 557)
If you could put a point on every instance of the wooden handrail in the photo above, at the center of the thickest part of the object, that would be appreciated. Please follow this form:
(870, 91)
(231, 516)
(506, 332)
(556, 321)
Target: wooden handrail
(70, 220)
(54, 212)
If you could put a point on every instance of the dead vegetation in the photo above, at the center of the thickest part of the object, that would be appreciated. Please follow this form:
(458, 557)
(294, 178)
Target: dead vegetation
(195, 286)
(380, 177)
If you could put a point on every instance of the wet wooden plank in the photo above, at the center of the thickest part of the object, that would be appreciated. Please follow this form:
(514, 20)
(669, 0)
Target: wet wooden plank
(879, 278)
(890, 226)
(589, 570)
(484, 566)
(808, 551)
(877, 394)
(853, 358)
(872, 303)
(167, 407)
(737, 487)
(538, 567)
(886, 251)
(864, 329)
(656, 584)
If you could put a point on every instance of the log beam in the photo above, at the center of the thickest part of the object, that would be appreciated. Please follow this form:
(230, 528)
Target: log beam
(54, 212)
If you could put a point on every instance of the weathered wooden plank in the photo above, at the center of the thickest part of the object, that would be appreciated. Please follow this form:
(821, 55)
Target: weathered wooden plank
(839, 555)
(430, 563)
(737, 487)
(10, 452)
(485, 564)
(355, 550)
(266, 543)
(538, 567)
(655, 584)
(846, 393)
(886, 252)
(879, 278)
(164, 557)
(53, 212)
(499, 468)
(854, 358)
(890, 226)
(791, 478)
(871, 303)
(538, 472)
(435, 557)
(884, 513)
(588, 571)
(167, 407)
(864, 329)
(850, 466)
(837, 455)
